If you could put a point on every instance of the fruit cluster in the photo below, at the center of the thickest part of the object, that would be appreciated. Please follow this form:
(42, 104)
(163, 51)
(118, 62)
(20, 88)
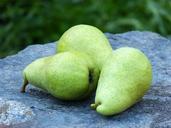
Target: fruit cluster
(85, 61)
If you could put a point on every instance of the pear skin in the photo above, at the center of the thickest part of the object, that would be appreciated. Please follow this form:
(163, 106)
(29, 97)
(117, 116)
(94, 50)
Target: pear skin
(125, 78)
(87, 39)
(67, 76)
(34, 74)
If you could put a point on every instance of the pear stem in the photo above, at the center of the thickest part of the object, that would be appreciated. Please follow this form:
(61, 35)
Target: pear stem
(94, 106)
(25, 83)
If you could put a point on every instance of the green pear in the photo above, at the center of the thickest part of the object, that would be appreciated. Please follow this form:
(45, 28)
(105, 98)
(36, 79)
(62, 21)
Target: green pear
(125, 78)
(67, 75)
(87, 39)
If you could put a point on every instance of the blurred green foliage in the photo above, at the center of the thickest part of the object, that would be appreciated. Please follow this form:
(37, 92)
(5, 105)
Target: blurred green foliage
(40, 21)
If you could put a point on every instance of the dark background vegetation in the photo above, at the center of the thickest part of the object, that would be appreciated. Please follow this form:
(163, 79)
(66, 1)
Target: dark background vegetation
(40, 21)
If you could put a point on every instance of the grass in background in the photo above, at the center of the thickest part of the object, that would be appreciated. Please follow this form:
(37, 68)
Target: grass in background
(40, 21)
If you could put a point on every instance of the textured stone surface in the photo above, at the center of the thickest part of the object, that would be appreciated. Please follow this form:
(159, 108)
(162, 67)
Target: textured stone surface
(14, 114)
(153, 111)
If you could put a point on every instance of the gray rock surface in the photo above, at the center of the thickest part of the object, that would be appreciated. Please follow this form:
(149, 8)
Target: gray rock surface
(153, 111)
(14, 114)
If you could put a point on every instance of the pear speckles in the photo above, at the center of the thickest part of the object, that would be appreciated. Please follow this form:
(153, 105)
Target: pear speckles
(64, 75)
(124, 79)
(86, 39)
(85, 60)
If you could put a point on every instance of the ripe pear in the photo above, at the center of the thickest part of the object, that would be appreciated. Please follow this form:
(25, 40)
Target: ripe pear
(86, 39)
(67, 76)
(124, 79)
